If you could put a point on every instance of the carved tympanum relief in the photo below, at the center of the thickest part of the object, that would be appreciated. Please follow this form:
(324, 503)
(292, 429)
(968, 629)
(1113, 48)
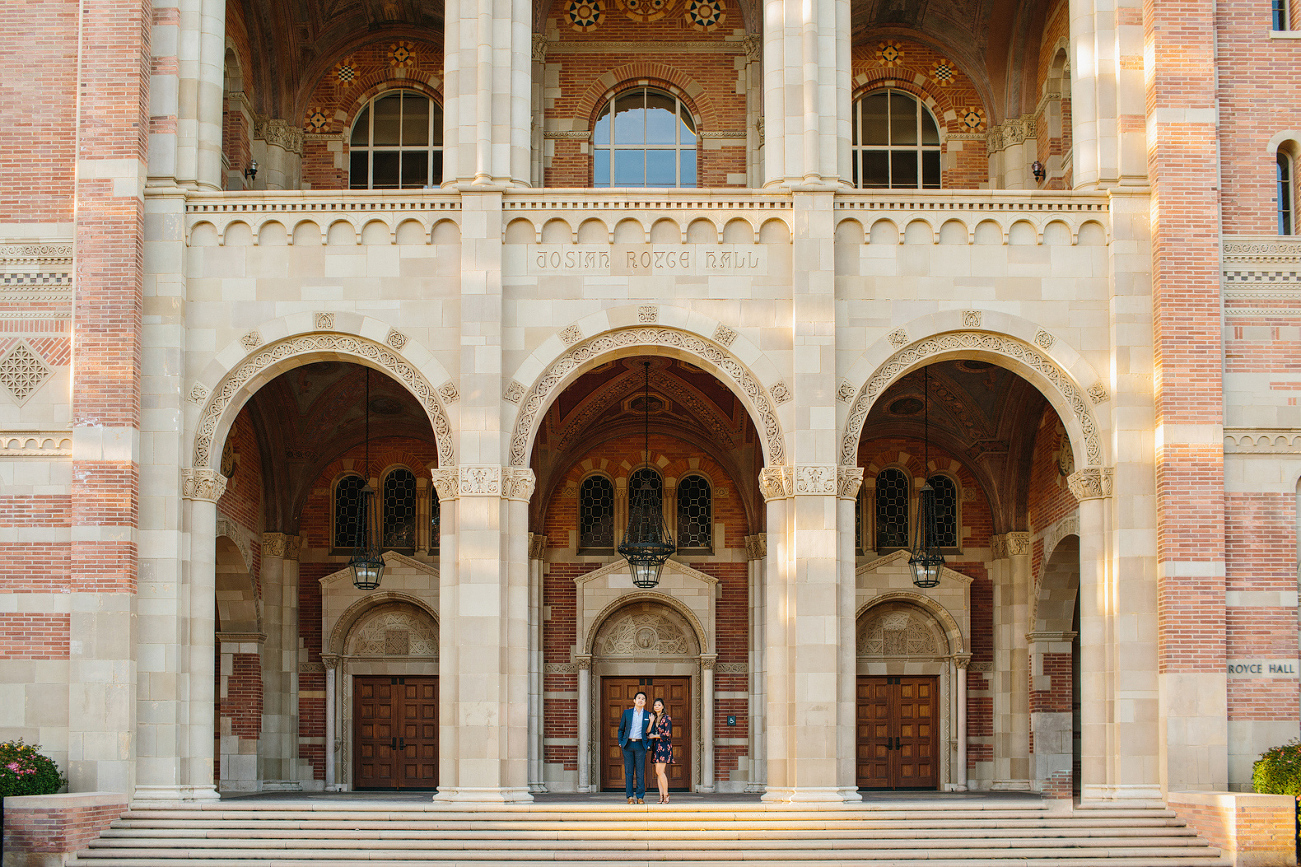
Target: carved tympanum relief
(642, 633)
(394, 629)
(896, 630)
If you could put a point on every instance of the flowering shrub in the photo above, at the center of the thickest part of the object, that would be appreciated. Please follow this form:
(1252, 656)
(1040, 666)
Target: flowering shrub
(24, 771)
(1278, 771)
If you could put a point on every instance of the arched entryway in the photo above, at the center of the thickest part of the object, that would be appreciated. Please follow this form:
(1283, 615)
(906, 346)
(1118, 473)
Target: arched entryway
(1055, 666)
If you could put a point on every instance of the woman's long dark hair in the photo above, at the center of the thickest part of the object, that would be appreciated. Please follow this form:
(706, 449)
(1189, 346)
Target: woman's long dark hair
(658, 714)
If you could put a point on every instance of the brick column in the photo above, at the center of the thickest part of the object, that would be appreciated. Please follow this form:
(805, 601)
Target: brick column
(1050, 713)
(278, 747)
(241, 690)
(487, 91)
(1187, 322)
(806, 92)
(1010, 571)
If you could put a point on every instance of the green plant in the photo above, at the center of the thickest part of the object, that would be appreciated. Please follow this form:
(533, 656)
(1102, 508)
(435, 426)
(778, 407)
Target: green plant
(24, 771)
(1278, 771)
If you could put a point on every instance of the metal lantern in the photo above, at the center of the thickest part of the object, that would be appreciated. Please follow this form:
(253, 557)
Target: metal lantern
(366, 563)
(926, 559)
(646, 542)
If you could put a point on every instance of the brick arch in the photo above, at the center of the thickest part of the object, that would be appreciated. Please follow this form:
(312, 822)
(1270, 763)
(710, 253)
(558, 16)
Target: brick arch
(879, 79)
(320, 68)
(651, 73)
(1039, 367)
(383, 85)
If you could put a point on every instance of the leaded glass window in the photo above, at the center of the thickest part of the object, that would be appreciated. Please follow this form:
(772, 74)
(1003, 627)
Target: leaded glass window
(644, 138)
(596, 513)
(896, 143)
(397, 143)
(347, 511)
(435, 520)
(858, 522)
(400, 509)
(695, 513)
(646, 482)
(891, 509)
(946, 510)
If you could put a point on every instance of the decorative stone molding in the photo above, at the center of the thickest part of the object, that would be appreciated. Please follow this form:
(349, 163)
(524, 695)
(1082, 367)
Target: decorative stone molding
(383, 356)
(1090, 483)
(537, 546)
(1068, 526)
(447, 391)
(756, 546)
(330, 661)
(776, 483)
(242, 538)
(198, 393)
(23, 371)
(980, 667)
(724, 336)
(479, 480)
(394, 629)
(280, 133)
(648, 314)
(395, 338)
(1044, 339)
(898, 338)
(323, 322)
(583, 663)
(1014, 544)
(845, 391)
(513, 393)
(893, 629)
(252, 340)
(293, 547)
(41, 254)
(1011, 132)
(848, 482)
(731, 668)
(1262, 441)
(753, 45)
(642, 633)
(780, 393)
(708, 661)
(561, 667)
(311, 668)
(241, 638)
(202, 484)
(540, 44)
(446, 483)
(1007, 347)
(35, 444)
(971, 318)
(1246, 251)
(767, 423)
(815, 479)
(580, 134)
(571, 335)
(723, 133)
(1098, 393)
(517, 483)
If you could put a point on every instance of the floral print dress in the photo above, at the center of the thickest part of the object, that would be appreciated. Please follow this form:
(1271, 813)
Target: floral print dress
(662, 747)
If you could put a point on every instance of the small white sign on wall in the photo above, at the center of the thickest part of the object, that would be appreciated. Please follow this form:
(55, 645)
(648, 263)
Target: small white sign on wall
(1255, 668)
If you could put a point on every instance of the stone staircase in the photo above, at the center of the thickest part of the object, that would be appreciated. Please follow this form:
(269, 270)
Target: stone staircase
(935, 832)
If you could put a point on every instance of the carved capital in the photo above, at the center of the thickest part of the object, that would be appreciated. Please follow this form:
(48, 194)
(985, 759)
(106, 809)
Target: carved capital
(753, 44)
(708, 661)
(206, 485)
(998, 547)
(1015, 544)
(963, 660)
(537, 546)
(1090, 483)
(273, 544)
(584, 663)
(447, 483)
(517, 483)
(776, 482)
(848, 482)
(539, 48)
(756, 546)
(479, 480)
(815, 479)
(293, 547)
(330, 661)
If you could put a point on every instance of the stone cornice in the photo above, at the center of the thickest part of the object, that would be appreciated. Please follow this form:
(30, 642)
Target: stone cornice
(1262, 441)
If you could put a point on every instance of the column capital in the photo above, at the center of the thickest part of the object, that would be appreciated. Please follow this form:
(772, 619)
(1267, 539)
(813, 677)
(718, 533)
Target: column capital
(1014, 544)
(517, 483)
(1090, 483)
(962, 660)
(708, 660)
(446, 482)
(537, 546)
(583, 662)
(776, 483)
(540, 44)
(756, 546)
(205, 485)
(273, 544)
(330, 661)
(848, 482)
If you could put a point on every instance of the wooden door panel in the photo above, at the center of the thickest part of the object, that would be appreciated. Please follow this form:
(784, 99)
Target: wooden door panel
(616, 696)
(401, 711)
(897, 738)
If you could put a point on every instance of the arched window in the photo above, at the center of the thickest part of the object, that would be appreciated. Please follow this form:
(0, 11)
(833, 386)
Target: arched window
(644, 138)
(695, 514)
(1286, 194)
(347, 510)
(435, 520)
(397, 143)
(595, 513)
(896, 142)
(400, 509)
(946, 510)
(653, 481)
(891, 509)
(1279, 14)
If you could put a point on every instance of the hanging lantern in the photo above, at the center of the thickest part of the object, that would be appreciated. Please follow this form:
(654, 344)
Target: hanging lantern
(926, 559)
(366, 563)
(646, 542)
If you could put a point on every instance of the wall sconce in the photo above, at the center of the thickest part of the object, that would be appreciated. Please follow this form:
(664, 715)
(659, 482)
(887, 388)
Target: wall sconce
(1038, 169)
(251, 171)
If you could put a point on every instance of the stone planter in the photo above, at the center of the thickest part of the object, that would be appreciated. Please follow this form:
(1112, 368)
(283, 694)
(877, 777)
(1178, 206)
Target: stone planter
(47, 830)
(1254, 830)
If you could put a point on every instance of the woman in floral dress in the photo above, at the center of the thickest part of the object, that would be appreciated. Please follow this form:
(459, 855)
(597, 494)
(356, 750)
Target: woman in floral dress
(661, 738)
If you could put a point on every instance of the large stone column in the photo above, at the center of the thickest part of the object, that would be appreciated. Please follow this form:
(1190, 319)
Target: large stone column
(487, 92)
(806, 92)
(1011, 575)
(537, 564)
(849, 481)
(1107, 92)
(188, 42)
(201, 490)
(707, 722)
(756, 553)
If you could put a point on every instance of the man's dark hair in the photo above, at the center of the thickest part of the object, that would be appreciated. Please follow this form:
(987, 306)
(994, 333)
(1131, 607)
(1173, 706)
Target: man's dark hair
(638, 693)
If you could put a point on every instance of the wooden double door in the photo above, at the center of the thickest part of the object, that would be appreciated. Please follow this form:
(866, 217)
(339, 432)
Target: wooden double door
(898, 732)
(616, 696)
(396, 724)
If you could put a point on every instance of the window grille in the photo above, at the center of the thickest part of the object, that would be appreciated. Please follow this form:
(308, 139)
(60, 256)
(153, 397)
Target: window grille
(400, 509)
(347, 510)
(891, 509)
(858, 522)
(695, 513)
(895, 142)
(1286, 195)
(397, 143)
(596, 513)
(946, 510)
(435, 520)
(644, 138)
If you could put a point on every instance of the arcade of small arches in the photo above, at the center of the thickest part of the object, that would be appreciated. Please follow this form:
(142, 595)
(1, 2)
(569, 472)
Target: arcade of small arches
(973, 684)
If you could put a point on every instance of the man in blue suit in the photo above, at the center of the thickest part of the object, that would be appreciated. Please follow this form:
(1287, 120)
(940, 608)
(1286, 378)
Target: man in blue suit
(634, 727)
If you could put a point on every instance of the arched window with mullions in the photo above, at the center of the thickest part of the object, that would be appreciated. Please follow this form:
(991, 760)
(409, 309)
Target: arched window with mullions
(1286, 194)
(347, 510)
(400, 509)
(896, 143)
(397, 143)
(644, 138)
(891, 509)
(946, 510)
(695, 514)
(595, 514)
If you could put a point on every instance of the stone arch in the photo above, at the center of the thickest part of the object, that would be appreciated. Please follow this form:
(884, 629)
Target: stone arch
(656, 630)
(937, 614)
(364, 607)
(1073, 404)
(237, 598)
(1059, 584)
(649, 73)
(235, 385)
(369, 632)
(738, 368)
(692, 622)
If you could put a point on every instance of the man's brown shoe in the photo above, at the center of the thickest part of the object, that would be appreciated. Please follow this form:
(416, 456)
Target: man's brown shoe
(640, 801)
(632, 801)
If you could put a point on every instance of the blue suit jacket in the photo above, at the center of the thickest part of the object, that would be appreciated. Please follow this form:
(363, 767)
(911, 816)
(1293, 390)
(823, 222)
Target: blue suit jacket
(625, 729)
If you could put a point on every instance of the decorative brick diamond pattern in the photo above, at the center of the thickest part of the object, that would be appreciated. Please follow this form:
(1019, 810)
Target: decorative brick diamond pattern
(22, 371)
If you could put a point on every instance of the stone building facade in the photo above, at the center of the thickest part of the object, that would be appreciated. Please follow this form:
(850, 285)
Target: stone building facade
(791, 261)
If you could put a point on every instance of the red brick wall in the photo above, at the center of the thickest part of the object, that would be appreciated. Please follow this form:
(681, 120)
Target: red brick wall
(58, 824)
